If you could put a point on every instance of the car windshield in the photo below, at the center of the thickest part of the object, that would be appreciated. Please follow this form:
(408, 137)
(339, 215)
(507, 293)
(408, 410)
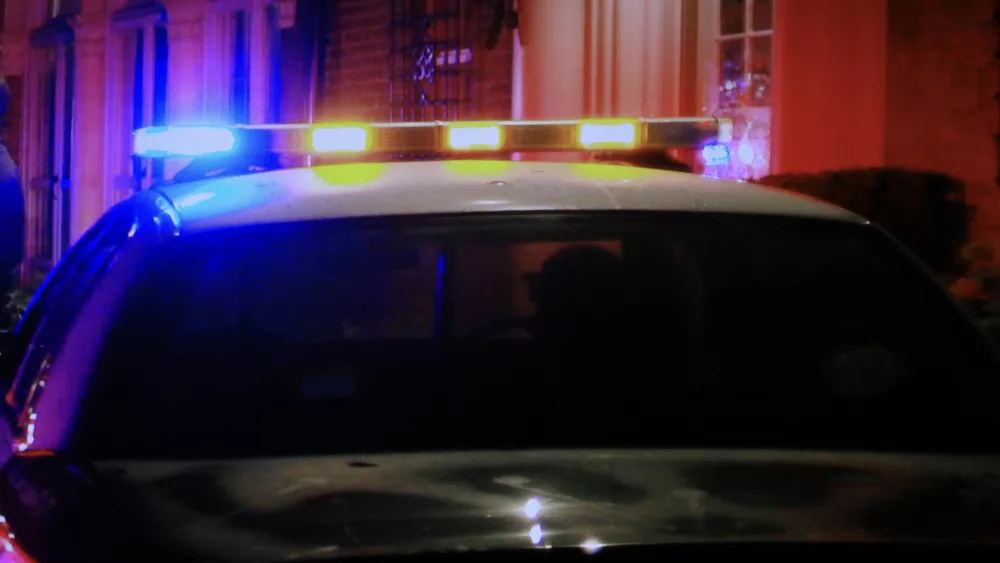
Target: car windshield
(523, 331)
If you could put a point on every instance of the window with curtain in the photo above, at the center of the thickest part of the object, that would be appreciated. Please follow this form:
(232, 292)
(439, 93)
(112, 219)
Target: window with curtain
(745, 30)
(741, 88)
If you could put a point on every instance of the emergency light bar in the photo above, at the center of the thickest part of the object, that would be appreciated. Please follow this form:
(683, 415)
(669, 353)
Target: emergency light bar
(433, 137)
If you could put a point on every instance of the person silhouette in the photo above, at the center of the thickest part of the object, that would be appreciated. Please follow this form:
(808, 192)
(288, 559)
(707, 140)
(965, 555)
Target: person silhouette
(578, 293)
(581, 328)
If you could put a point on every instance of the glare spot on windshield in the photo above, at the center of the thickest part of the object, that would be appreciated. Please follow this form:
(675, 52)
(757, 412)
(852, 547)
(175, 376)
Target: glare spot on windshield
(591, 545)
(532, 508)
(535, 534)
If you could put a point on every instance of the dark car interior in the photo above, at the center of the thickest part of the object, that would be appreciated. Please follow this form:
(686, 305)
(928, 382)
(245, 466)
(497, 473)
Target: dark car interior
(532, 333)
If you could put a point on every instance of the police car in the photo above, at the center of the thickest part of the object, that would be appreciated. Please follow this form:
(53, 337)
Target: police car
(240, 365)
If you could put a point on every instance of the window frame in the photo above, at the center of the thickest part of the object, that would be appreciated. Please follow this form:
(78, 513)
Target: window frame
(467, 227)
(137, 93)
(747, 36)
(750, 154)
(256, 101)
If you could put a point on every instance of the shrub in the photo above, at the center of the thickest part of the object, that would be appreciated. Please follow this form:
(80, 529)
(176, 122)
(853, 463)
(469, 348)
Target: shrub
(17, 303)
(924, 210)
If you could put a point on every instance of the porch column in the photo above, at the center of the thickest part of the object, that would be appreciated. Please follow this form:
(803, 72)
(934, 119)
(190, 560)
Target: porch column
(88, 173)
(602, 58)
(552, 62)
(188, 75)
(635, 53)
(186, 71)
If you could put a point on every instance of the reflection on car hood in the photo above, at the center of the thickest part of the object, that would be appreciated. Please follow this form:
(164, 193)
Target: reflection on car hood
(350, 505)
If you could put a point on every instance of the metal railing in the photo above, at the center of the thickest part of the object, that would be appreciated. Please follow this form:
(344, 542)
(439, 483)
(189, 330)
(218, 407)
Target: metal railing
(47, 224)
(431, 52)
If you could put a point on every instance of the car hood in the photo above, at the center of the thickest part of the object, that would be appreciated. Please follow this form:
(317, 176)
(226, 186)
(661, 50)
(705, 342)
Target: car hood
(266, 510)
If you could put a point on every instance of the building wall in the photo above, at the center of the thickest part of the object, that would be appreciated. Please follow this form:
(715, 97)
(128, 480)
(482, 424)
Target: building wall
(911, 86)
(91, 58)
(941, 111)
(355, 73)
(829, 85)
(356, 69)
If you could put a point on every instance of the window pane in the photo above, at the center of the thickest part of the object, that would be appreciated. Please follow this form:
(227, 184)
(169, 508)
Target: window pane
(762, 15)
(733, 13)
(730, 72)
(263, 342)
(760, 74)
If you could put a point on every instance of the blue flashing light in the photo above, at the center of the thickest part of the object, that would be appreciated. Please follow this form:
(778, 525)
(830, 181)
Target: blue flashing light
(715, 155)
(184, 141)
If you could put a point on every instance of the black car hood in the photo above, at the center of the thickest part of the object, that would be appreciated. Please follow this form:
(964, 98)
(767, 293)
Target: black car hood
(272, 510)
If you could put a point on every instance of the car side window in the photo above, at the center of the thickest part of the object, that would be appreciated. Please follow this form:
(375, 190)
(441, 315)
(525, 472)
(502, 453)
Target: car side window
(65, 296)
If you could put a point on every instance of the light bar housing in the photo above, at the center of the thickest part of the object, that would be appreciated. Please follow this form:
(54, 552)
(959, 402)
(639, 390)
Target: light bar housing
(436, 137)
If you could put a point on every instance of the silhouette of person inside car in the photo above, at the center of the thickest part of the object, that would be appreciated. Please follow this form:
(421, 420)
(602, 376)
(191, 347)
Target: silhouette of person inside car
(583, 324)
(578, 295)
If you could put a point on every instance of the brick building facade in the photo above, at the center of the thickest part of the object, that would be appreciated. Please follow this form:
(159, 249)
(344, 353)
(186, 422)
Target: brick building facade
(86, 73)
(372, 49)
(913, 85)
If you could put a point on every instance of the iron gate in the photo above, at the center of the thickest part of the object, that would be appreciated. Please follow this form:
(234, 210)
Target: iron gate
(432, 59)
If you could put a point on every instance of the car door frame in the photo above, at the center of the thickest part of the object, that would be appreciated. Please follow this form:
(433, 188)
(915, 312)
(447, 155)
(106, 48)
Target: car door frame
(136, 223)
(41, 304)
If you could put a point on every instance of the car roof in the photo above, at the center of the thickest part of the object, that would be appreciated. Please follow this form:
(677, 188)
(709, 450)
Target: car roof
(480, 186)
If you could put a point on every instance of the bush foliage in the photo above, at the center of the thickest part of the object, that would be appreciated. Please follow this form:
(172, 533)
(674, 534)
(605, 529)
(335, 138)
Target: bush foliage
(924, 210)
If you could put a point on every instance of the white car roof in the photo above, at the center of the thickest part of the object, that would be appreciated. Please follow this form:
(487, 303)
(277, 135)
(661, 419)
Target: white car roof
(449, 187)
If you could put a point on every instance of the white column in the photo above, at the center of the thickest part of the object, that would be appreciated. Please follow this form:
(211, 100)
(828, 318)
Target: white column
(552, 58)
(188, 67)
(580, 58)
(260, 49)
(89, 131)
(188, 60)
